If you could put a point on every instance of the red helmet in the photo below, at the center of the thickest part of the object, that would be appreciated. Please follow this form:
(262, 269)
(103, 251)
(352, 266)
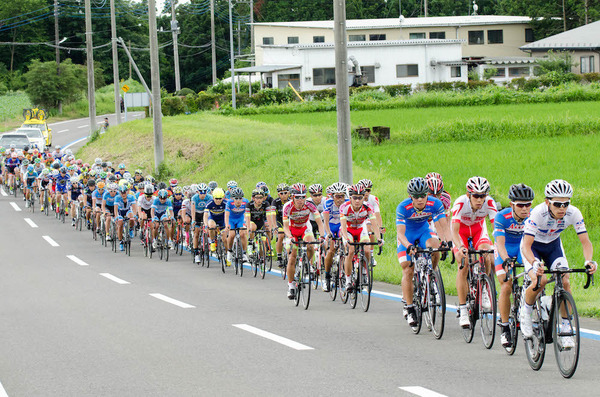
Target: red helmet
(433, 175)
(358, 189)
(435, 185)
(173, 182)
(298, 189)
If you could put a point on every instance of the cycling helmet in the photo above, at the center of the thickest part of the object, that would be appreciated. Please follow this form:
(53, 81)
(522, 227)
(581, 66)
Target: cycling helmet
(417, 186)
(30, 167)
(13, 155)
(126, 175)
(298, 189)
(112, 178)
(435, 185)
(231, 184)
(25, 162)
(329, 190)
(161, 185)
(79, 161)
(260, 184)
(433, 175)
(140, 186)
(91, 183)
(366, 183)
(63, 170)
(265, 190)
(68, 151)
(212, 185)
(237, 193)
(202, 188)
(257, 192)
(358, 189)
(121, 166)
(55, 172)
(103, 175)
(148, 189)
(558, 188)
(316, 188)
(177, 190)
(338, 187)
(26, 149)
(113, 187)
(74, 179)
(150, 179)
(283, 187)
(173, 182)
(57, 147)
(163, 194)
(138, 172)
(109, 164)
(101, 185)
(104, 165)
(45, 171)
(218, 193)
(478, 184)
(98, 161)
(187, 190)
(520, 192)
(123, 189)
(86, 165)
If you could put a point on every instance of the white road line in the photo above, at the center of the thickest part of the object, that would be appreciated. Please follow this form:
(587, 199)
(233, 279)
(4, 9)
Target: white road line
(172, 301)
(58, 132)
(3, 192)
(77, 260)
(113, 278)
(30, 222)
(421, 391)
(2, 391)
(75, 142)
(50, 241)
(83, 126)
(591, 331)
(15, 206)
(276, 338)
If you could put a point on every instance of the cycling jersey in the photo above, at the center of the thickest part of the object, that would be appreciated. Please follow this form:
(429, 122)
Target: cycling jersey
(446, 200)
(259, 215)
(11, 164)
(416, 223)
(332, 212)
(176, 204)
(97, 194)
(278, 208)
(506, 225)
(472, 223)
(160, 209)
(61, 183)
(237, 214)
(355, 219)
(88, 194)
(109, 202)
(124, 206)
(319, 206)
(200, 203)
(546, 228)
(298, 218)
(30, 177)
(373, 202)
(76, 190)
(145, 203)
(216, 212)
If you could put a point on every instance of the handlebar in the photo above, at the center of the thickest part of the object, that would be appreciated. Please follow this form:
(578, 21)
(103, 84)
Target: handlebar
(302, 242)
(512, 262)
(367, 244)
(589, 276)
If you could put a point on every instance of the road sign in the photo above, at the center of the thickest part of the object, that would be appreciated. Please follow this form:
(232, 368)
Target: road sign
(125, 88)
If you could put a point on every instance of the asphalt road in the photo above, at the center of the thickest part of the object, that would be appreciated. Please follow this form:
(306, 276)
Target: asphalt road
(80, 320)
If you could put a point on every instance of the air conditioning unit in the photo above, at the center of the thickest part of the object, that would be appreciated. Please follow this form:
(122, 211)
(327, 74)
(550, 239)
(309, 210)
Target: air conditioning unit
(433, 62)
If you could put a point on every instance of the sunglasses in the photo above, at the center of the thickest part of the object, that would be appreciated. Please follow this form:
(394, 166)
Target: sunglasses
(201, 191)
(299, 197)
(316, 195)
(339, 196)
(478, 196)
(218, 198)
(560, 204)
(259, 197)
(284, 192)
(357, 197)
(368, 190)
(148, 194)
(419, 196)
(522, 205)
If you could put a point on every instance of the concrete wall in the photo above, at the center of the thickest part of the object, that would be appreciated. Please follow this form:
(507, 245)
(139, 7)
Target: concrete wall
(576, 59)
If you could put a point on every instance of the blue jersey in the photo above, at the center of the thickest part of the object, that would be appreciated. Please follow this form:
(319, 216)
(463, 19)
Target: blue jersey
(96, 194)
(332, 210)
(216, 212)
(407, 215)
(110, 200)
(125, 206)
(61, 180)
(176, 204)
(31, 175)
(161, 208)
(506, 225)
(237, 213)
(201, 203)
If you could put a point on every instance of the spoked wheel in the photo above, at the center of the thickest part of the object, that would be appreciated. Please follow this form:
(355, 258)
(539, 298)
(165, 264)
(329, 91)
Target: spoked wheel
(535, 347)
(284, 260)
(437, 304)
(298, 282)
(342, 283)
(487, 311)
(513, 319)
(334, 281)
(417, 302)
(221, 256)
(366, 285)
(469, 331)
(238, 255)
(356, 285)
(317, 271)
(305, 285)
(165, 244)
(206, 251)
(565, 333)
(262, 260)
(102, 234)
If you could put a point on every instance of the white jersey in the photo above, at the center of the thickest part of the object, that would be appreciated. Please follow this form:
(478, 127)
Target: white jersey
(320, 207)
(186, 206)
(546, 229)
(373, 201)
(144, 203)
(463, 213)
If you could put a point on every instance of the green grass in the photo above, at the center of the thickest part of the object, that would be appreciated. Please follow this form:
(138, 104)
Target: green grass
(303, 148)
(11, 110)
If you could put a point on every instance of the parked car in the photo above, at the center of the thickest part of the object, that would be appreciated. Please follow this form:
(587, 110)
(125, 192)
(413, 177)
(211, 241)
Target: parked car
(35, 137)
(20, 140)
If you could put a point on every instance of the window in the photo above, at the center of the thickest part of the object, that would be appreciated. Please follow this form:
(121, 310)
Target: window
(415, 36)
(518, 72)
(529, 35)
(500, 72)
(368, 71)
(495, 37)
(318, 39)
(267, 40)
(455, 71)
(324, 76)
(284, 79)
(586, 64)
(407, 70)
(475, 36)
(437, 35)
(376, 37)
(293, 40)
(357, 37)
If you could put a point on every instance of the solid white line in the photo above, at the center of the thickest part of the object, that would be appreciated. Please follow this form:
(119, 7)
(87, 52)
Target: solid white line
(2, 391)
(590, 331)
(30, 222)
(75, 142)
(15, 206)
(113, 278)
(50, 241)
(3, 192)
(276, 338)
(421, 391)
(172, 301)
(77, 260)
(83, 126)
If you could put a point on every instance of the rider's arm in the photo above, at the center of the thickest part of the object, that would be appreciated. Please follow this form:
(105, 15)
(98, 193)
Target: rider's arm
(194, 211)
(586, 244)
(320, 225)
(226, 219)
(326, 223)
(444, 231)
(103, 205)
(344, 228)
(500, 241)
(205, 216)
(286, 228)
(401, 235)
(526, 248)
(455, 227)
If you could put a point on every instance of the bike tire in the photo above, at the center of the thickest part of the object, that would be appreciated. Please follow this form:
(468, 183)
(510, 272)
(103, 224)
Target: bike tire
(535, 347)
(566, 357)
(262, 259)
(206, 253)
(417, 302)
(306, 284)
(238, 255)
(437, 304)
(487, 318)
(298, 281)
(342, 283)
(221, 255)
(165, 244)
(366, 285)
(333, 283)
(513, 320)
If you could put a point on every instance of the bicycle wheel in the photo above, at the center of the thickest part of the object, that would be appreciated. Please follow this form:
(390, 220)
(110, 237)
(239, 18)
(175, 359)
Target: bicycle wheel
(221, 254)
(206, 250)
(565, 333)
(254, 262)
(306, 283)
(535, 347)
(437, 303)
(165, 244)
(262, 259)
(417, 302)
(284, 260)
(238, 254)
(342, 283)
(334, 281)
(487, 315)
(298, 281)
(366, 284)
(513, 320)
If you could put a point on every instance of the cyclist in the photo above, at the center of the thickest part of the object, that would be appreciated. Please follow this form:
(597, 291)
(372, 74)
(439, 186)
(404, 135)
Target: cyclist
(200, 201)
(235, 218)
(162, 211)
(296, 225)
(412, 227)
(44, 183)
(258, 209)
(508, 231)
(60, 182)
(316, 197)
(373, 201)
(283, 191)
(125, 208)
(144, 205)
(468, 222)
(30, 178)
(541, 242)
(356, 217)
(75, 190)
(436, 189)
(331, 215)
(12, 165)
(214, 216)
(87, 199)
(230, 186)
(108, 207)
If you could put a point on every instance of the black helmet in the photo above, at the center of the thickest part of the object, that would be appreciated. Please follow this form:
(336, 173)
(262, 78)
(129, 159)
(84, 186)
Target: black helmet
(161, 185)
(417, 186)
(520, 192)
(237, 192)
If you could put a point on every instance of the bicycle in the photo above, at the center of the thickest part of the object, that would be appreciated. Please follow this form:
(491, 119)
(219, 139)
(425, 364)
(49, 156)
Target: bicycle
(220, 249)
(162, 241)
(79, 216)
(146, 238)
(31, 201)
(319, 267)
(479, 283)
(337, 260)
(46, 201)
(429, 296)
(126, 241)
(513, 317)
(548, 327)
(237, 251)
(362, 280)
(302, 276)
(284, 257)
(260, 255)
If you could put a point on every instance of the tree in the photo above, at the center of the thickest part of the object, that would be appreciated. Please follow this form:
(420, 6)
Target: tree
(45, 88)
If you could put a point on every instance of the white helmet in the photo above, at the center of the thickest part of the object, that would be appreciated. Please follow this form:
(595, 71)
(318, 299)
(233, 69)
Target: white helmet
(74, 179)
(98, 161)
(478, 184)
(558, 188)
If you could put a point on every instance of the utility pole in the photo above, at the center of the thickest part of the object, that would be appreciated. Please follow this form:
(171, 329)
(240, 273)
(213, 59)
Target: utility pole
(232, 54)
(212, 42)
(56, 42)
(90, 66)
(137, 71)
(159, 154)
(342, 93)
(115, 59)
(425, 7)
(252, 31)
(175, 31)
(129, 59)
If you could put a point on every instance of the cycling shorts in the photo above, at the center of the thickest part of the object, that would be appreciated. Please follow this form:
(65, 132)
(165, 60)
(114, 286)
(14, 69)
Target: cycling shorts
(30, 182)
(513, 251)
(335, 229)
(110, 209)
(260, 224)
(11, 169)
(162, 216)
(237, 223)
(200, 219)
(148, 213)
(478, 233)
(61, 188)
(358, 235)
(75, 196)
(123, 214)
(420, 235)
(552, 254)
(299, 233)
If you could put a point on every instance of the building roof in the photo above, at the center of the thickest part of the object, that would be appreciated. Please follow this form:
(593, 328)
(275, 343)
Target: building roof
(508, 60)
(391, 23)
(586, 37)
(379, 43)
(265, 68)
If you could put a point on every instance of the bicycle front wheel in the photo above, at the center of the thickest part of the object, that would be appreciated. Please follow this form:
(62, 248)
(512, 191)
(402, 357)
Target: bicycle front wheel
(417, 302)
(565, 333)
(513, 319)
(535, 347)
(487, 311)
(366, 284)
(437, 304)
(333, 283)
(305, 283)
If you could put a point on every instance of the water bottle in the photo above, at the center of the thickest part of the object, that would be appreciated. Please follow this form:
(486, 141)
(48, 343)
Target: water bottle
(545, 303)
(286, 243)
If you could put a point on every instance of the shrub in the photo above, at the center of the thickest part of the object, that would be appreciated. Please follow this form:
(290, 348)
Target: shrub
(185, 92)
(371, 95)
(172, 106)
(436, 86)
(318, 95)
(398, 89)
(270, 96)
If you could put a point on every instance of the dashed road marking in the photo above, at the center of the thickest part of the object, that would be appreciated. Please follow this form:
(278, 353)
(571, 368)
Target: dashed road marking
(15, 206)
(30, 222)
(172, 301)
(114, 278)
(421, 391)
(77, 260)
(275, 338)
(50, 241)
